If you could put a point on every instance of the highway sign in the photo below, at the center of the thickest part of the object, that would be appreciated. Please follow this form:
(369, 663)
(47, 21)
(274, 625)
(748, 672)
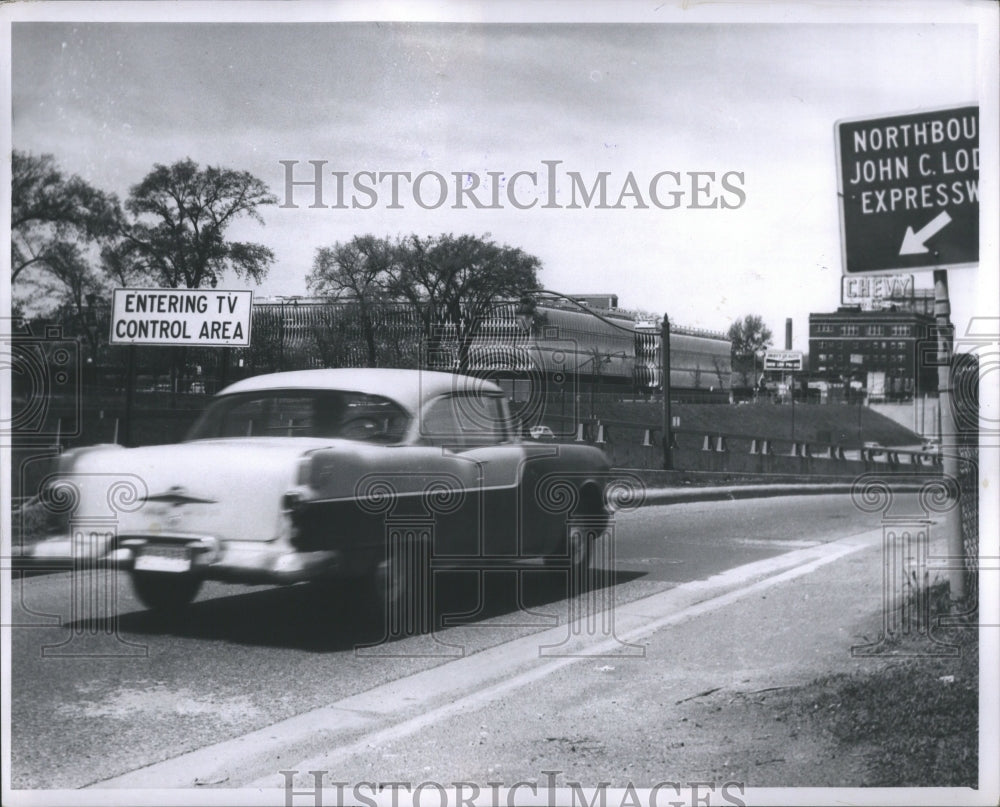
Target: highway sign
(787, 360)
(909, 190)
(197, 317)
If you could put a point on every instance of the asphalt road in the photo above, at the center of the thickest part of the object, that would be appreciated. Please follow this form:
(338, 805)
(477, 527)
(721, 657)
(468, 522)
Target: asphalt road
(89, 703)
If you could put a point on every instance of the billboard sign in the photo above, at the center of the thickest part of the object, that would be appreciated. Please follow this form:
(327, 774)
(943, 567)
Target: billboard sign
(868, 290)
(909, 191)
(197, 317)
(787, 360)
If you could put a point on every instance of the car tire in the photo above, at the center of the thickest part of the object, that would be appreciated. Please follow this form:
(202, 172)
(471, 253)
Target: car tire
(574, 554)
(165, 591)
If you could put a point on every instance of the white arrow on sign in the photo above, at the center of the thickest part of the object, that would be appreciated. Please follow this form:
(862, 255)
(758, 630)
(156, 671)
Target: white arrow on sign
(913, 242)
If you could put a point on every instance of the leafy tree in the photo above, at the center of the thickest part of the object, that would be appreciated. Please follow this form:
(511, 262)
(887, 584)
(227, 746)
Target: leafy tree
(58, 225)
(457, 280)
(180, 215)
(360, 271)
(750, 337)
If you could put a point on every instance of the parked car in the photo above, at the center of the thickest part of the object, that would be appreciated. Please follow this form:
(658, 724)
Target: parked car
(335, 474)
(541, 432)
(932, 445)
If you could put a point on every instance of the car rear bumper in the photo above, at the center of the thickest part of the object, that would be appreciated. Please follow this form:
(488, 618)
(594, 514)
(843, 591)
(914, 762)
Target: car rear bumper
(233, 561)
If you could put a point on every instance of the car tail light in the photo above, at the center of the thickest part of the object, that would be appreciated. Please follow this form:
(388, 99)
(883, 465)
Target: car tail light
(304, 473)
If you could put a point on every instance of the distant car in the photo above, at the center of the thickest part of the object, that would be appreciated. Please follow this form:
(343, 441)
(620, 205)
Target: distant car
(872, 444)
(931, 445)
(541, 433)
(335, 474)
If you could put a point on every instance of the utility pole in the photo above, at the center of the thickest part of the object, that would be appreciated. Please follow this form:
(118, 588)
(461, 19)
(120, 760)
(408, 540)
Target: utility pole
(951, 519)
(668, 439)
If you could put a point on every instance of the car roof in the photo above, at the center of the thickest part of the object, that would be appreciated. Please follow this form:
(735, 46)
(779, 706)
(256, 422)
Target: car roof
(406, 387)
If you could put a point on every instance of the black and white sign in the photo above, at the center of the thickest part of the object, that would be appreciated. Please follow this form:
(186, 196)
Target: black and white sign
(202, 317)
(909, 190)
(788, 360)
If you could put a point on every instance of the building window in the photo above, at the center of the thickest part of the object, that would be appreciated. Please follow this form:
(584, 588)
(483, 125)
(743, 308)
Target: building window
(849, 330)
(875, 330)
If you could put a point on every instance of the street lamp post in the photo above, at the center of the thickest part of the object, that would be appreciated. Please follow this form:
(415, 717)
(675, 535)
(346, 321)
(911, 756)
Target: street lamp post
(668, 438)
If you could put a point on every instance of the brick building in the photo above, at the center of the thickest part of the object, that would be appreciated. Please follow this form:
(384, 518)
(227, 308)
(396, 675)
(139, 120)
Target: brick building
(852, 345)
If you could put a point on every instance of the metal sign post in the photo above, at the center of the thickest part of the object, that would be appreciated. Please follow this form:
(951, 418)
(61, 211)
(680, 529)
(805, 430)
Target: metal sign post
(909, 200)
(668, 438)
(789, 362)
(176, 318)
(951, 519)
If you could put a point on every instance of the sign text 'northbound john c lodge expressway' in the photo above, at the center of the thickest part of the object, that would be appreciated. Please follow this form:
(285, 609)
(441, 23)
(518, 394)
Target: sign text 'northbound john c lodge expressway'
(909, 190)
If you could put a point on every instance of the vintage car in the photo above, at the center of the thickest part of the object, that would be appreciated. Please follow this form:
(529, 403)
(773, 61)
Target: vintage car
(327, 474)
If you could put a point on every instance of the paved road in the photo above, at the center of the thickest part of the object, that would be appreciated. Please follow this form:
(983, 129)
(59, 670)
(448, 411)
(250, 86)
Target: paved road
(88, 705)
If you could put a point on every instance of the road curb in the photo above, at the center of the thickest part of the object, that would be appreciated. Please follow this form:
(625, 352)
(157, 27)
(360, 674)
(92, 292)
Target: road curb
(662, 496)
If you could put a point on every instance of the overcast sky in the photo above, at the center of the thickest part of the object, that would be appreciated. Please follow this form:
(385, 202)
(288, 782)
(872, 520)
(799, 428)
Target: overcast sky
(757, 102)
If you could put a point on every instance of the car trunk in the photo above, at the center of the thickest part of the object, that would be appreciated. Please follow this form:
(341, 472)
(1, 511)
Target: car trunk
(228, 489)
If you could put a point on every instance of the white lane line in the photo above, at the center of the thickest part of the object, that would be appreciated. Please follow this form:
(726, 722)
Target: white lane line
(436, 693)
(776, 543)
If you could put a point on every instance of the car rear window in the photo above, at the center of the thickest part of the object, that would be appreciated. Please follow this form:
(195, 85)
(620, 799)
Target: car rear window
(303, 413)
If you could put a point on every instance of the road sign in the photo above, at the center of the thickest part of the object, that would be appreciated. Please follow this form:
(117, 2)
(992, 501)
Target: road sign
(787, 360)
(909, 190)
(197, 317)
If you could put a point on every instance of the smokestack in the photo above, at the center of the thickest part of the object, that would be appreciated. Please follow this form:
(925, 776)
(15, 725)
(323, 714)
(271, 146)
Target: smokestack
(788, 333)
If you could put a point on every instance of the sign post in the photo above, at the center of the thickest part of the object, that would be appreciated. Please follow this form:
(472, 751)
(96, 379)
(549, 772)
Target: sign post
(668, 422)
(909, 200)
(177, 317)
(949, 456)
(790, 362)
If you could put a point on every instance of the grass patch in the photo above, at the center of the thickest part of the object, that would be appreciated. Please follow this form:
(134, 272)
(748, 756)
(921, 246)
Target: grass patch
(915, 722)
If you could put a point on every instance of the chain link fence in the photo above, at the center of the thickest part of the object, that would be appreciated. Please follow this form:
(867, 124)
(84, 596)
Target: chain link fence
(965, 403)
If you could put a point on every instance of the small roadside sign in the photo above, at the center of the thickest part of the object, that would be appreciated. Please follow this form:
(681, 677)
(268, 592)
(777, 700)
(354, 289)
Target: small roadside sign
(787, 360)
(197, 317)
(909, 190)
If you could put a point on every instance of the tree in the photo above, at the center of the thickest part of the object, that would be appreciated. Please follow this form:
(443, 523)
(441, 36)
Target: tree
(180, 215)
(360, 271)
(458, 279)
(750, 337)
(58, 225)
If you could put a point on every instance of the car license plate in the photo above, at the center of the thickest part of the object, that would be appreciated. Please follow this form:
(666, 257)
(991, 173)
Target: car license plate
(163, 559)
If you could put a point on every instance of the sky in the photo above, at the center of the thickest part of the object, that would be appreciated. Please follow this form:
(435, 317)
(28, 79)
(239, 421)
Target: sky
(754, 102)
